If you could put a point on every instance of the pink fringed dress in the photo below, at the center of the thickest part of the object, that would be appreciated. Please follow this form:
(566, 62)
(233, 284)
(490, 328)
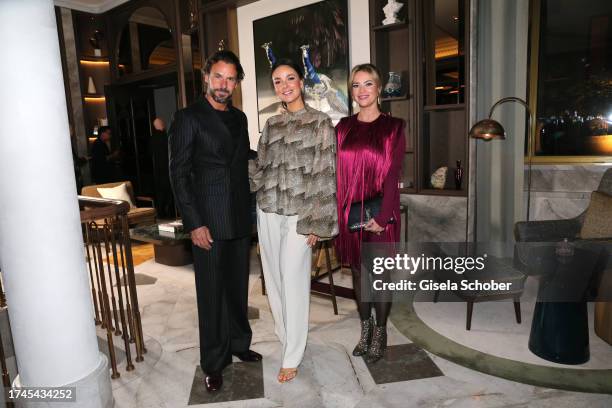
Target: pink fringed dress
(369, 164)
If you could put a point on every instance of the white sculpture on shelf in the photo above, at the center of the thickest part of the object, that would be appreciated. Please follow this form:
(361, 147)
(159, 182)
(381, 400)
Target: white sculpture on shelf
(391, 9)
(91, 87)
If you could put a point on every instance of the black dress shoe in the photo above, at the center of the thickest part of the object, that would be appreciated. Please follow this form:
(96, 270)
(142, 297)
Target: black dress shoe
(249, 355)
(213, 382)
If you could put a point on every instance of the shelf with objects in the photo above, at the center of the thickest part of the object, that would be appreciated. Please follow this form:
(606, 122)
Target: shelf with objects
(94, 69)
(392, 53)
(419, 48)
(443, 112)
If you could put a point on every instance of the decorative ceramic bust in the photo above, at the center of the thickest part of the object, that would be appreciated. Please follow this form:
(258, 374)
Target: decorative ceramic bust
(391, 9)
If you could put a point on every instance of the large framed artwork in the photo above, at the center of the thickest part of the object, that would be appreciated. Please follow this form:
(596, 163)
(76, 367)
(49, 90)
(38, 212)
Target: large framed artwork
(316, 38)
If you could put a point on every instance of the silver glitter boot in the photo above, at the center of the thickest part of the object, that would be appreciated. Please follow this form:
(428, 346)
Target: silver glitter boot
(378, 344)
(366, 336)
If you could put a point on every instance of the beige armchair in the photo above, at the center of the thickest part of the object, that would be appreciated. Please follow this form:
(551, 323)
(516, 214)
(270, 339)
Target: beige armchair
(136, 216)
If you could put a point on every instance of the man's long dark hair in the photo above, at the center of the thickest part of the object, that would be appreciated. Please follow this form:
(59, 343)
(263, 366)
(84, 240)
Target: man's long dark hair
(226, 56)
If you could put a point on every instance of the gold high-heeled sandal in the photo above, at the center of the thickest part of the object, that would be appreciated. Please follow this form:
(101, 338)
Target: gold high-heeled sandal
(286, 374)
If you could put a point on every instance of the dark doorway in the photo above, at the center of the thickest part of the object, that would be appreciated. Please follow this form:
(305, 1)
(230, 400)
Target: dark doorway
(132, 108)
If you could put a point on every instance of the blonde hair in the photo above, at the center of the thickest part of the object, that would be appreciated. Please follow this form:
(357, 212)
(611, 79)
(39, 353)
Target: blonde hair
(370, 69)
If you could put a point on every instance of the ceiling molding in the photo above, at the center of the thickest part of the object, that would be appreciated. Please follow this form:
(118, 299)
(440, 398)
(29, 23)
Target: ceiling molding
(90, 6)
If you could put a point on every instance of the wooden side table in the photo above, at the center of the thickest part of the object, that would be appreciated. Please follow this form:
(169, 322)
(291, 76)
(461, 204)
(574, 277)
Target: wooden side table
(603, 321)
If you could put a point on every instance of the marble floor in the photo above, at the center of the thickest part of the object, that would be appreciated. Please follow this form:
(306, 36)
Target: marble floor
(495, 331)
(329, 376)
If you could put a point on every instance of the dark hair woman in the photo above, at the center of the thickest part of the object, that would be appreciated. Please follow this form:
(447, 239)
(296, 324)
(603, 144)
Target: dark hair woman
(370, 151)
(294, 177)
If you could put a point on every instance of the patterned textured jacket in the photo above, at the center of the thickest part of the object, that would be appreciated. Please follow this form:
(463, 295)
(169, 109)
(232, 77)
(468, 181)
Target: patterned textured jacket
(295, 171)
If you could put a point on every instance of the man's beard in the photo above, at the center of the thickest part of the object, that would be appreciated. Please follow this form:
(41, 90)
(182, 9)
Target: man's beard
(220, 99)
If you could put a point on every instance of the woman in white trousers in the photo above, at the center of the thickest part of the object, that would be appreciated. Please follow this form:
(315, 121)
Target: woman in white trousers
(295, 182)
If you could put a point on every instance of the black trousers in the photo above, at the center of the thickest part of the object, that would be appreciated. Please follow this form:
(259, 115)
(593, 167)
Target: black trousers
(222, 284)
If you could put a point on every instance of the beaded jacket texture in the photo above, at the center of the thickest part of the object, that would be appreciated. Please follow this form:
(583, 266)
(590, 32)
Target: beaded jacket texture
(295, 170)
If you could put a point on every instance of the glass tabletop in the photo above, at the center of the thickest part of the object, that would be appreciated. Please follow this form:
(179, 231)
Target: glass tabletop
(152, 234)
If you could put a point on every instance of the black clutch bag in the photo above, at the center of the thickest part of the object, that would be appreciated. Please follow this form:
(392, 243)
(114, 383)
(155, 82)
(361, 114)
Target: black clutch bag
(371, 208)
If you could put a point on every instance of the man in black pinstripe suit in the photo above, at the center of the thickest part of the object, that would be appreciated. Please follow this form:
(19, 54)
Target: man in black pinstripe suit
(209, 147)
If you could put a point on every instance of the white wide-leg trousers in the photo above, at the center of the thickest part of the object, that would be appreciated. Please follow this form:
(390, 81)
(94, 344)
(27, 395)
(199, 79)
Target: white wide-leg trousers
(286, 260)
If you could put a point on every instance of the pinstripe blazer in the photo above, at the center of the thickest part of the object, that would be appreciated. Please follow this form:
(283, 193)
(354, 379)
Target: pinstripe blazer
(209, 171)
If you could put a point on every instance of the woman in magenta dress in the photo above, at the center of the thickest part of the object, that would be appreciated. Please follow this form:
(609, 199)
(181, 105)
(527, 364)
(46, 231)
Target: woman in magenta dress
(371, 148)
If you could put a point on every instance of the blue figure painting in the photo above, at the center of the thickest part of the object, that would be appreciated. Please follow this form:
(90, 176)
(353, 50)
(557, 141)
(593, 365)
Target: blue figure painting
(315, 37)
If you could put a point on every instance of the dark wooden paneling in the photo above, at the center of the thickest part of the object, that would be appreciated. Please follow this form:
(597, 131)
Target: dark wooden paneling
(119, 16)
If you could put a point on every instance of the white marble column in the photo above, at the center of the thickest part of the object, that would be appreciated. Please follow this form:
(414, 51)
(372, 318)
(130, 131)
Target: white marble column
(41, 246)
